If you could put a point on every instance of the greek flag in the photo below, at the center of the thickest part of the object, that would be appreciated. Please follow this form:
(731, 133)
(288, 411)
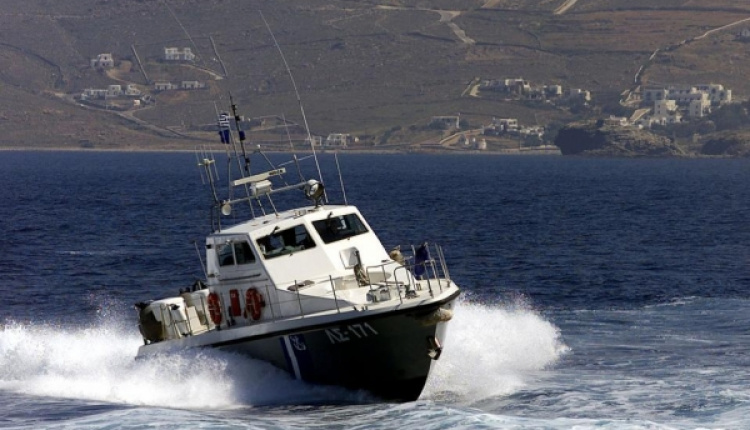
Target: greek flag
(224, 128)
(421, 257)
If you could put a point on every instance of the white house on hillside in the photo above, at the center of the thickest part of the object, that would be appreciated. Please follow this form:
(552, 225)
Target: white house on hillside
(192, 85)
(93, 94)
(717, 94)
(653, 94)
(517, 86)
(164, 86)
(684, 95)
(699, 108)
(446, 121)
(505, 124)
(577, 93)
(616, 121)
(340, 140)
(665, 112)
(132, 91)
(177, 54)
(111, 92)
(553, 90)
(103, 62)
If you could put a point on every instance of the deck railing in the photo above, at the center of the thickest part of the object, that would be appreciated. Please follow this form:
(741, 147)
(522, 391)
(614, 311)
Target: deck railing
(418, 270)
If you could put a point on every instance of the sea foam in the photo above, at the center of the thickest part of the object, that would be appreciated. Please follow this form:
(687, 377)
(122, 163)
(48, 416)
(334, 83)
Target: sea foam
(493, 350)
(490, 350)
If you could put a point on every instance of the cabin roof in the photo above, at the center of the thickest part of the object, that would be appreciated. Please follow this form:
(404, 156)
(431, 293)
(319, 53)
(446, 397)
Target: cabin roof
(263, 224)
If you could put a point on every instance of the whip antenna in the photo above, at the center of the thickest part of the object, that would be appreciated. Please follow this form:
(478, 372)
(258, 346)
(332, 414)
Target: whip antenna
(341, 178)
(299, 100)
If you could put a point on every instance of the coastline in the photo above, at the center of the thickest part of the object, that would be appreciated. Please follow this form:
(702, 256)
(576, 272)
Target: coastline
(412, 151)
(431, 151)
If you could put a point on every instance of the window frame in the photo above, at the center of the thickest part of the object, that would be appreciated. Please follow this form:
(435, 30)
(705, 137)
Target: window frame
(233, 244)
(349, 225)
(275, 244)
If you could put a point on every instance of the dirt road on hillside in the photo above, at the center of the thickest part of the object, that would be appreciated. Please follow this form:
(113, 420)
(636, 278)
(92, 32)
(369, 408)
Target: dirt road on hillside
(642, 70)
(565, 7)
(446, 17)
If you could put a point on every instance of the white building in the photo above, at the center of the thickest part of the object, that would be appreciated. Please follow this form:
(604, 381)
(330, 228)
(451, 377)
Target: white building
(102, 62)
(651, 95)
(340, 140)
(717, 94)
(113, 91)
(665, 112)
(577, 93)
(491, 84)
(446, 121)
(553, 90)
(517, 86)
(684, 95)
(501, 126)
(316, 141)
(505, 124)
(192, 85)
(164, 86)
(93, 94)
(616, 121)
(132, 91)
(699, 108)
(177, 54)
(535, 130)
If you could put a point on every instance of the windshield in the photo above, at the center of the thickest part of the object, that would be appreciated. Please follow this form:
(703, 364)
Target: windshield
(341, 227)
(285, 242)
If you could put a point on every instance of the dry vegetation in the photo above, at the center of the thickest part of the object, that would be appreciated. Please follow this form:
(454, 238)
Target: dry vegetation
(365, 67)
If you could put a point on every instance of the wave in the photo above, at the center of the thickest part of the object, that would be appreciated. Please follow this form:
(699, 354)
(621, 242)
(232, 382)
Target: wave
(490, 350)
(99, 364)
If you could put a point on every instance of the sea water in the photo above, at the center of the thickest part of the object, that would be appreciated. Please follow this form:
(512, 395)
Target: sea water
(598, 294)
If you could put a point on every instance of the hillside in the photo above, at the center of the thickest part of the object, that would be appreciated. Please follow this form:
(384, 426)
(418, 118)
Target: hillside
(379, 70)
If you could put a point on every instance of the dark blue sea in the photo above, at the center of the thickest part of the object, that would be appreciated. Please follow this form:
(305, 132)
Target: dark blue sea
(598, 294)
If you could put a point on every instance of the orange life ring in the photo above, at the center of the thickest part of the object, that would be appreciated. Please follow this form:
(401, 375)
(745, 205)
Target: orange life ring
(214, 308)
(253, 303)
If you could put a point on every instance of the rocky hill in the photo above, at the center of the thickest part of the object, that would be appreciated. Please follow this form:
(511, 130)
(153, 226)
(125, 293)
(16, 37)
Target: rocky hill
(377, 69)
(597, 139)
(730, 144)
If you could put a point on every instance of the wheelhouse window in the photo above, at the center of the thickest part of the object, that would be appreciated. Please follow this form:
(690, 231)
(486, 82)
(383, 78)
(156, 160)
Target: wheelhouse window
(232, 253)
(284, 242)
(337, 228)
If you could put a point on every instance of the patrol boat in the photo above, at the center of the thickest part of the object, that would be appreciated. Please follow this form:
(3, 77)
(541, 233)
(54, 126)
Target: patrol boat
(311, 289)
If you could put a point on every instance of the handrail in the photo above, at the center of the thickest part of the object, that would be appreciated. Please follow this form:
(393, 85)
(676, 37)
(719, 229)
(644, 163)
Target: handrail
(393, 274)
